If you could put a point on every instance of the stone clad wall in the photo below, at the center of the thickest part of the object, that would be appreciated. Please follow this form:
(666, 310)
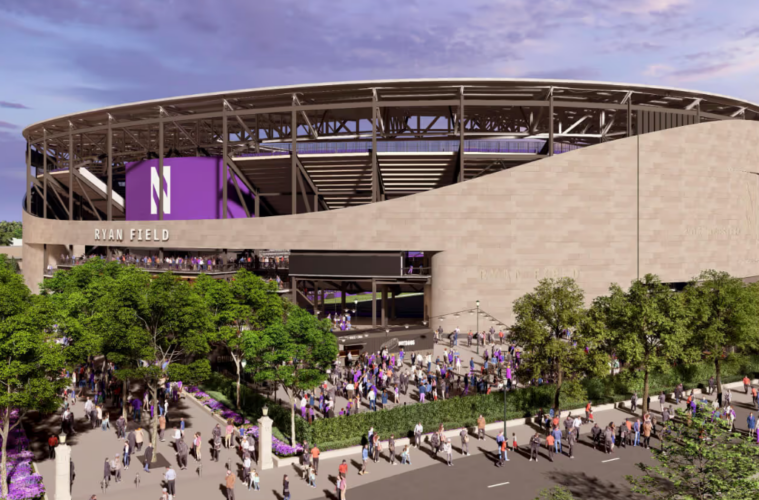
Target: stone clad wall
(575, 214)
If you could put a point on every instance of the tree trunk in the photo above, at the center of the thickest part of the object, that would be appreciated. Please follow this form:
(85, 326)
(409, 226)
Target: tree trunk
(4, 460)
(152, 387)
(237, 365)
(558, 388)
(645, 391)
(292, 417)
(124, 396)
(718, 377)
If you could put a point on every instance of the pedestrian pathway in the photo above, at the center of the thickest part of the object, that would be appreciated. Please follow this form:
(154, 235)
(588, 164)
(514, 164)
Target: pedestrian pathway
(90, 447)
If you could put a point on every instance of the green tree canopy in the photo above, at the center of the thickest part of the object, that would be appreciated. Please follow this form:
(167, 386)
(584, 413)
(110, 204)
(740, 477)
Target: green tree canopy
(33, 363)
(295, 354)
(542, 316)
(702, 459)
(151, 325)
(238, 308)
(645, 326)
(8, 231)
(722, 313)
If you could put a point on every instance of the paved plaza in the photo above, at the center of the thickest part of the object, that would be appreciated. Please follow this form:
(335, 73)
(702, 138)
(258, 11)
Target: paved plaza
(591, 474)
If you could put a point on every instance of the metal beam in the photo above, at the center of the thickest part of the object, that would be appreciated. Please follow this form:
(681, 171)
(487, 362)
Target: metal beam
(375, 164)
(109, 184)
(311, 128)
(550, 123)
(239, 194)
(225, 169)
(462, 131)
(71, 173)
(56, 187)
(160, 169)
(293, 159)
(84, 192)
(303, 192)
(44, 177)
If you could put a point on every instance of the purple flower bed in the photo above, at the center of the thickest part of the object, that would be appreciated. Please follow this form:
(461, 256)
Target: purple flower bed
(25, 484)
(279, 448)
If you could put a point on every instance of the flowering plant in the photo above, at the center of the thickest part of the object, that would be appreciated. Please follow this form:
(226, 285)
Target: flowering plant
(24, 483)
(280, 448)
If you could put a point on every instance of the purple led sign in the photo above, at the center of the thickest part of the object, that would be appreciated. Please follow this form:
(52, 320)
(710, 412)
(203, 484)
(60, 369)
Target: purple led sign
(192, 190)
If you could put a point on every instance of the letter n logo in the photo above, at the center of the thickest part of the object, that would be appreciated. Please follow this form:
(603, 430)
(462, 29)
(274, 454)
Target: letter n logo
(155, 187)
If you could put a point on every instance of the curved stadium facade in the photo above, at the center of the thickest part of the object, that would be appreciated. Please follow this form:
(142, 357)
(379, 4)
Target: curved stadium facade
(495, 183)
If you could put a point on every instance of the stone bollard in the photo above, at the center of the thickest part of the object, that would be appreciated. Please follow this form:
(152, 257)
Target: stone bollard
(62, 470)
(264, 441)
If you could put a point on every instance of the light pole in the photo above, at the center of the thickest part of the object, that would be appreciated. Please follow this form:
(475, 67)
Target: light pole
(478, 328)
(243, 363)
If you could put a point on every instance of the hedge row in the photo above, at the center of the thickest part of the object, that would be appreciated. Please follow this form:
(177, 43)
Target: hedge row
(339, 432)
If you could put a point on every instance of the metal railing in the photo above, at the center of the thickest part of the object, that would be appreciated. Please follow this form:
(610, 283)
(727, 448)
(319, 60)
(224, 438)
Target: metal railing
(403, 146)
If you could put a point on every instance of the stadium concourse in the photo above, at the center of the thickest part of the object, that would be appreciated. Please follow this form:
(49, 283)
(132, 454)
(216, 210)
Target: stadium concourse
(591, 474)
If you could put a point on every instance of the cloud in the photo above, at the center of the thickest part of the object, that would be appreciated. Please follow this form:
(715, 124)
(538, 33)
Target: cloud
(657, 70)
(575, 73)
(12, 105)
(6, 125)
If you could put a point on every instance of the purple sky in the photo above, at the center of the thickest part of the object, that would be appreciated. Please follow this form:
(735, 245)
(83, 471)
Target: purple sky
(63, 56)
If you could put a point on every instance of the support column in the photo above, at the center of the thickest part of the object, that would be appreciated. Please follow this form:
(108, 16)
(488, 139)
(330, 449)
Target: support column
(342, 298)
(461, 134)
(550, 123)
(294, 158)
(109, 186)
(374, 303)
(71, 175)
(375, 167)
(62, 469)
(384, 306)
(33, 259)
(629, 117)
(44, 175)
(294, 290)
(160, 168)
(264, 442)
(29, 176)
(392, 305)
(225, 167)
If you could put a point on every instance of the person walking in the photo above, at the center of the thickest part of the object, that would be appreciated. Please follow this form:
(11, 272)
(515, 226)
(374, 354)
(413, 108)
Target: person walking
(634, 402)
(182, 452)
(230, 484)
(556, 433)
(464, 434)
(751, 421)
(448, 452)
(481, 428)
(571, 442)
(550, 444)
(255, 480)
(107, 471)
(391, 449)
(746, 384)
(285, 488)
(171, 477)
(418, 429)
(406, 454)
(161, 427)
(647, 426)
(315, 459)
(364, 459)
(662, 401)
(148, 456)
(534, 445)
(52, 442)
(127, 453)
(342, 488)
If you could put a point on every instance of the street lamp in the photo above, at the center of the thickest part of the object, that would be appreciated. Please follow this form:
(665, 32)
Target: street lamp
(243, 363)
(478, 327)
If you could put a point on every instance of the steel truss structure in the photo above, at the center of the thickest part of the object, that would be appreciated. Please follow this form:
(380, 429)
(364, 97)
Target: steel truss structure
(321, 147)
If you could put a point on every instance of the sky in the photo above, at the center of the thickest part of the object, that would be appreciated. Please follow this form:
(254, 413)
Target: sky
(64, 56)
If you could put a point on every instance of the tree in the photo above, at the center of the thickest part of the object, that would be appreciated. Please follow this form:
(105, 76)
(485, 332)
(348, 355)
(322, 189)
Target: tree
(542, 316)
(154, 323)
(702, 459)
(30, 374)
(722, 313)
(237, 308)
(8, 231)
(645, 325)
(555, 493)
(295, 353)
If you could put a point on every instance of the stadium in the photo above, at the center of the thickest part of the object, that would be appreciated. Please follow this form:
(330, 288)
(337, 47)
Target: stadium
(464, 192)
